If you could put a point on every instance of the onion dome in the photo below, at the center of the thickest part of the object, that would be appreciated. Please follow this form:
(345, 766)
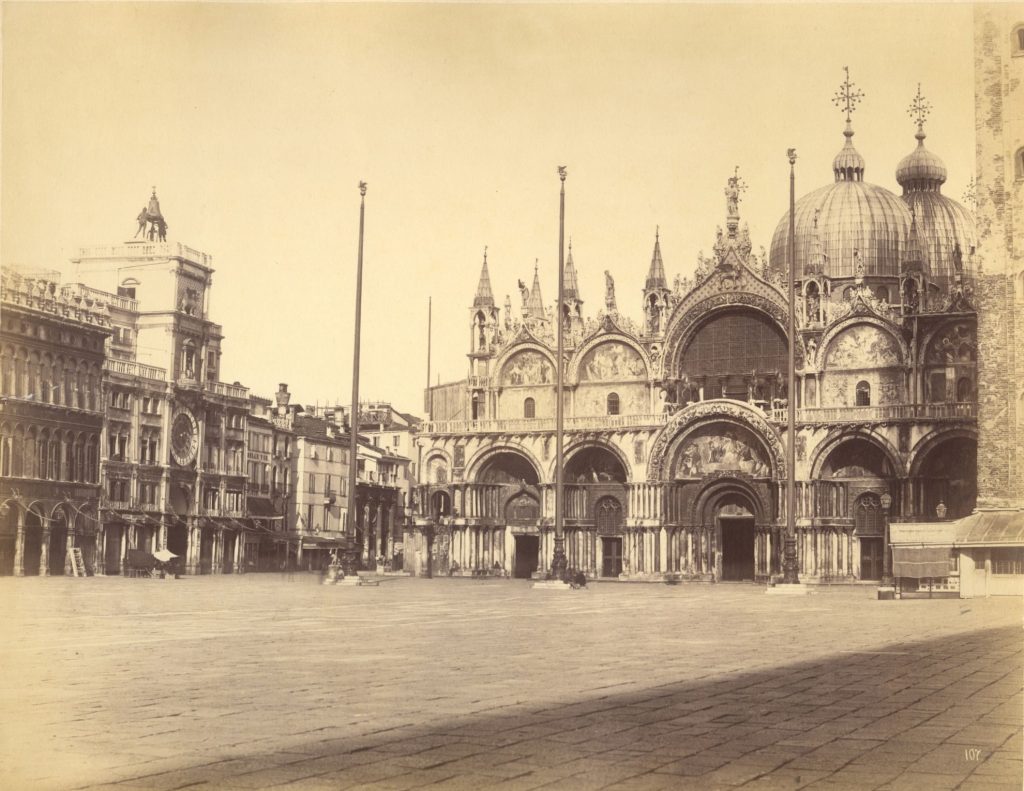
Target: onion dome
(848, 164)
(921, 170)
(943, 225)
(856, 221)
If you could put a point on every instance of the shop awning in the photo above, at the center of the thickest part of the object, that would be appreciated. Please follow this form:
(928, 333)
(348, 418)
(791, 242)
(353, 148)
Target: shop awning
(920, 562)
(991, 528)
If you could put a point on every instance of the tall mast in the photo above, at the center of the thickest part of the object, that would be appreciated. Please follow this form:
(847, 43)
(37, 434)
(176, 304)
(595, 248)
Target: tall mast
(789, 561)
(430, 394)
(558, 560)
(353, 551)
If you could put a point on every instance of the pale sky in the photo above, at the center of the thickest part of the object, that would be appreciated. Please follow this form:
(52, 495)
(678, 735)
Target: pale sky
(256, 124)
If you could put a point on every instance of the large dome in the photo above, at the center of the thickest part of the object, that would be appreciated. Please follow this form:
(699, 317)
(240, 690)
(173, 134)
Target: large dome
(852, 216)
(942, 223)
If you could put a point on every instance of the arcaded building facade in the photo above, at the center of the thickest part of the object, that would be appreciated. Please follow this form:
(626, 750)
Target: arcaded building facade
(675, 445)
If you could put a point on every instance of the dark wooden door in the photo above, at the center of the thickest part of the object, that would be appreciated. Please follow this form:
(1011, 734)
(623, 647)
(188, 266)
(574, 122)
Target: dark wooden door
(527, 555)
(737, 548)
(611, 557)
(871, 558)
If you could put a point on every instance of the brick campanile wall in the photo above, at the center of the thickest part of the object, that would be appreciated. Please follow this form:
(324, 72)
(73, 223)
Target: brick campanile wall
(999, 124)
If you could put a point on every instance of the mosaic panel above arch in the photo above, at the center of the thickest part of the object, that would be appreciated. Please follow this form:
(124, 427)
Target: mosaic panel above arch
(953, 343)
(752, 443)
(718, 448)
(612, 361)
(862, 346)
(527, 367)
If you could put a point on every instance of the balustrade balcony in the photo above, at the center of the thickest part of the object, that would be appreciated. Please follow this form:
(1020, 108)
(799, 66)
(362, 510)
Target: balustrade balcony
(542, 424)
(862, 414)
(147, 250)
(132, 368)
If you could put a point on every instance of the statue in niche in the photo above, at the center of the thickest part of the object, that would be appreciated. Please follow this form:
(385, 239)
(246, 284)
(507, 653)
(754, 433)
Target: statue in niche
(813, 306)
(609, 293)
(653, 316)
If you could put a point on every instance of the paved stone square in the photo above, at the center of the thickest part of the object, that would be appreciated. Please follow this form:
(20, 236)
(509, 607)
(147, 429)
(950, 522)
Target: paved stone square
(264, 681)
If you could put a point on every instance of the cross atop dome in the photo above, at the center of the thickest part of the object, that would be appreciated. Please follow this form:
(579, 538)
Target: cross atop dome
(919, 109)
(848, 164)
(848, 96)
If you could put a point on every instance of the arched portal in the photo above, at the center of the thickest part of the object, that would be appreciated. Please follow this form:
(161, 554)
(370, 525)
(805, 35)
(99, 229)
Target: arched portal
(736, 354)
(594, 464)
(58, 542)
(440, 505)
(507, 467)
(731, 512)
(32, 546)
(949, 476)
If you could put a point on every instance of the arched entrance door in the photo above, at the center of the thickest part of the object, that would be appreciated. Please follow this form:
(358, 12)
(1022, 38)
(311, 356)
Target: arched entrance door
(735, 525)
(608, 517)
(523, 511)
(32, 548)
(949, 475)
(58, 542)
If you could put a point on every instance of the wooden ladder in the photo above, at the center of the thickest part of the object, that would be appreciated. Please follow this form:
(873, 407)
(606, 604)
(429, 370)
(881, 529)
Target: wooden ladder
(76, 561)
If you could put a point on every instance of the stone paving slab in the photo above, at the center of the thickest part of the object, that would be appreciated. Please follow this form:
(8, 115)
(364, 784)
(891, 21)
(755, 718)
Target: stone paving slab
(265, 681)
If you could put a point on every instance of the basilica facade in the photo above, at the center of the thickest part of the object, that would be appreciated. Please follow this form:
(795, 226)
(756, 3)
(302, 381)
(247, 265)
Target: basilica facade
(675, 426)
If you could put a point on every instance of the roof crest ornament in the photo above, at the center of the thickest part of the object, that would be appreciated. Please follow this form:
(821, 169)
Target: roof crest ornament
(919, 110)
(848, 96)
(152, 216)
(734, 188)
(848, 164)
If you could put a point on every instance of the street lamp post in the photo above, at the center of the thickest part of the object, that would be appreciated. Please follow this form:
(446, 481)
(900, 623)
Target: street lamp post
(886, 590)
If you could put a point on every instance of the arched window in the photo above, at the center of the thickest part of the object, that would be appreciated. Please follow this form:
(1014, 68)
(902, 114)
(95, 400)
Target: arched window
(882, 293)
(529, 408)
(1017, 41)
(964, 390)
(848, 293)
(613, 403)
(867, 515)
(863, 394)
(1018, 158)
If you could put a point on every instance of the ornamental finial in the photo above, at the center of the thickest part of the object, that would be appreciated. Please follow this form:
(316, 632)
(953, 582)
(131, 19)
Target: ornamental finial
(919, 109)
(791, 153)
(848, 96)
(735, 186)
(362, 188)
(562, 172)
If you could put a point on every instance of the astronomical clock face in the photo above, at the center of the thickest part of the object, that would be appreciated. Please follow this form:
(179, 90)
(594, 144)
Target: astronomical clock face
(184, 437)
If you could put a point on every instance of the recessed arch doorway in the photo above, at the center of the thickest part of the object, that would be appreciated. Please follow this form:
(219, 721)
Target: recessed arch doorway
(735, 526)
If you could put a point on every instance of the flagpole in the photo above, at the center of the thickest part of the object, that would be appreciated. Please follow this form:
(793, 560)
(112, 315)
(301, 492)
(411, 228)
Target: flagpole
(790, 574)
(352, 552)
(430, 394)
(558, 560)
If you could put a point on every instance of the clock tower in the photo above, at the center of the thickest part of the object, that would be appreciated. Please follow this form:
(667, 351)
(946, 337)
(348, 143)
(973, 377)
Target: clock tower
(190, 484)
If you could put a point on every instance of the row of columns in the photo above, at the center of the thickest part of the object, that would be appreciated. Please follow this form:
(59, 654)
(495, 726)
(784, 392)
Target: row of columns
(378, 533)
(482, 547)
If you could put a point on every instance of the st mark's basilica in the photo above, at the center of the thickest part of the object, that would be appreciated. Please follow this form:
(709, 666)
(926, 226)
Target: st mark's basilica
(675, 426)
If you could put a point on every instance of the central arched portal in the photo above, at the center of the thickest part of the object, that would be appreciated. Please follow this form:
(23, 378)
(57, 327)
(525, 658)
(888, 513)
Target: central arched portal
(732, 514)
